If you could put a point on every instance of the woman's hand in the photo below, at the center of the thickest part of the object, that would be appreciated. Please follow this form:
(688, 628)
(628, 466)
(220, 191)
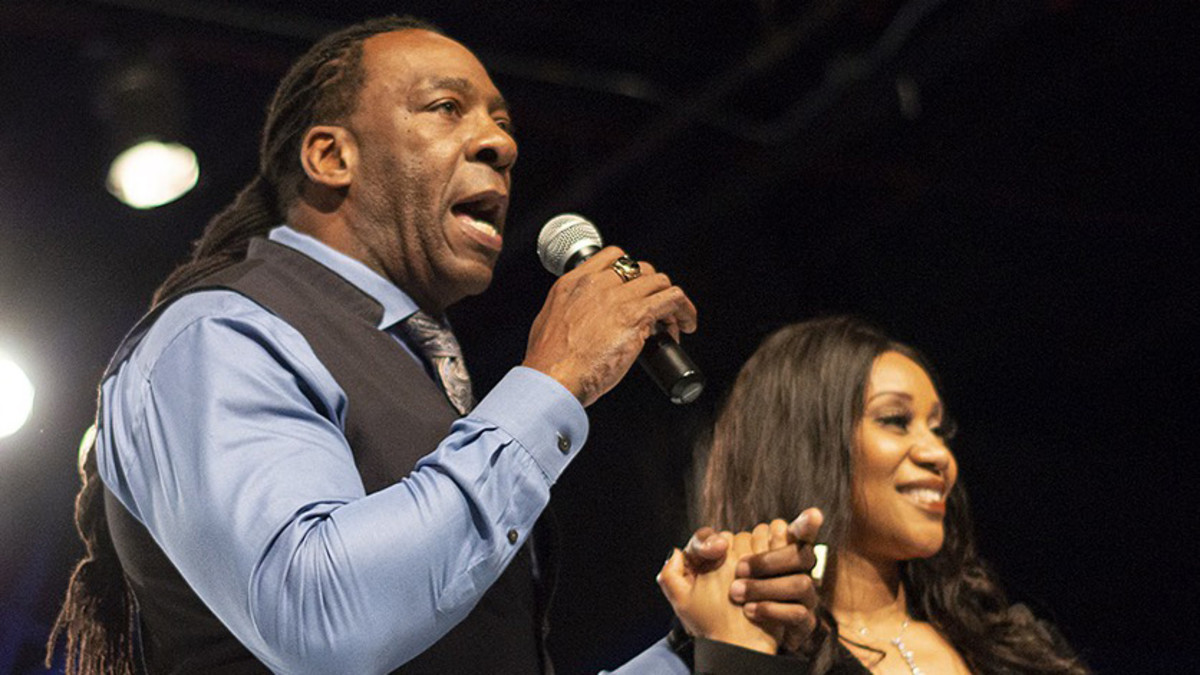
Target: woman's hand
(701, 597)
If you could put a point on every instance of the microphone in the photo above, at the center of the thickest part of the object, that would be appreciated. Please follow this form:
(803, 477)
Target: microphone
(565, 242)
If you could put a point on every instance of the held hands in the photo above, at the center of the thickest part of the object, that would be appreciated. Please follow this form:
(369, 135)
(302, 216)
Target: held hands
(701, 599)
(593, 325)
(750, 589)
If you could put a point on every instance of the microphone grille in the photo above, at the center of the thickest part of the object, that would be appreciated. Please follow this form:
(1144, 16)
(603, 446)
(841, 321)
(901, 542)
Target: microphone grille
(562, 237)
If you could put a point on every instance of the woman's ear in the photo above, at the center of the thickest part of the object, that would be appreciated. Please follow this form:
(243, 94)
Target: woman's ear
(329, 155)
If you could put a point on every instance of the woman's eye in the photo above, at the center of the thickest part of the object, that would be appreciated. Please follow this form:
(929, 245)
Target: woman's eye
(945, 430)
(898, 421)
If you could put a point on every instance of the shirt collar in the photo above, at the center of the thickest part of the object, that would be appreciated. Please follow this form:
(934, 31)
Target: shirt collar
(397, 305)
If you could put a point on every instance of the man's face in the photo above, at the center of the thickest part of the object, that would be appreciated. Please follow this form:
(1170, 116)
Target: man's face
(430, 191)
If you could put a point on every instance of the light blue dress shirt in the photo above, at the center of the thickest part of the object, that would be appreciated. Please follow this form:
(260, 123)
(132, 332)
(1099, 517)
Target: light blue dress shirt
(223, 434)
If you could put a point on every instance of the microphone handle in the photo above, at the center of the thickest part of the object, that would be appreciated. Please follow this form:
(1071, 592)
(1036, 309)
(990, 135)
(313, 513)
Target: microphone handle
(671, 368)
(662, 358)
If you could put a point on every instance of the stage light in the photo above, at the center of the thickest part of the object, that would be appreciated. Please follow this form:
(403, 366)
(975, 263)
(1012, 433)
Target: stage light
(16, 397)
(141, 103)
(153, 173)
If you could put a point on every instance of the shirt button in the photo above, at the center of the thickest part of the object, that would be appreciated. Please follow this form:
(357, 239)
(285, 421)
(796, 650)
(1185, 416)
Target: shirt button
(564, 444)
(512, 536)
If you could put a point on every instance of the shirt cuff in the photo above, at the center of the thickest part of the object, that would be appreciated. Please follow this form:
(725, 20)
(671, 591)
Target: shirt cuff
(540, 414)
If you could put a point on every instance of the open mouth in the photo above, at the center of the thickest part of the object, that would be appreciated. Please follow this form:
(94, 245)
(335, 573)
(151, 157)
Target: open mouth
(922, 495)
(925, 494)
(484, 213)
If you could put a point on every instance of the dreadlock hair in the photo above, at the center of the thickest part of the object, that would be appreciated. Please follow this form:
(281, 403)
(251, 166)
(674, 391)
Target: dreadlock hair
(98, 615)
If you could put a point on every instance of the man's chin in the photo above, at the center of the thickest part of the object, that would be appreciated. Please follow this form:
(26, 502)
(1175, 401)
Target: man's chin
(473, 281)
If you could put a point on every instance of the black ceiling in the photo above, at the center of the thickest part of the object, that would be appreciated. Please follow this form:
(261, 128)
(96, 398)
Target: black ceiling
(1010, 186)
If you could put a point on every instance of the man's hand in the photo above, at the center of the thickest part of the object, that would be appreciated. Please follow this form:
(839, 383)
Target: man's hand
(773, 585)
(593, 325)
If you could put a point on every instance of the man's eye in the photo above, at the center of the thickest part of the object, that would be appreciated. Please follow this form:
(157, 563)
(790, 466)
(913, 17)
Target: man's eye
(450, 107)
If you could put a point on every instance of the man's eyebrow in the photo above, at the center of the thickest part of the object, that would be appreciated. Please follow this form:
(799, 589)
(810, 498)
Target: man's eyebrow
(458, 84)
(464, 86)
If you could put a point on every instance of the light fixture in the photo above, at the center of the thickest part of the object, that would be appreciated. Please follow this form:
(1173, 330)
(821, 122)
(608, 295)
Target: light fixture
(141, 103)
(16, 397)
(152, 173)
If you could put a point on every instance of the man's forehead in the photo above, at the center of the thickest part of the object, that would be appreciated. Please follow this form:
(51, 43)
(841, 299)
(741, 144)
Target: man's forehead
(416, 59)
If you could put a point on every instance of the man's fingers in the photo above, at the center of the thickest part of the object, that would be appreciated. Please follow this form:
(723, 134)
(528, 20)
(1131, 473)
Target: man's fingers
(666, 302)
(793, 588)
(798, 636)
(806, 526)
(787, 560)
(661, 301)
(602, 259)
(705, 549)
(798, 623)
(794, 618)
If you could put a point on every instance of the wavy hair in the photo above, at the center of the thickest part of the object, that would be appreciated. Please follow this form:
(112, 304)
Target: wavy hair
(99, 613)
(784, 441)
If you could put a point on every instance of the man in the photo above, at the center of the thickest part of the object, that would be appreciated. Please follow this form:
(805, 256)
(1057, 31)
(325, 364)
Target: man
(272, 471)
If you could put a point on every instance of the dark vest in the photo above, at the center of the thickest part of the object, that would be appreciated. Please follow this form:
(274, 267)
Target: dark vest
(396, 415)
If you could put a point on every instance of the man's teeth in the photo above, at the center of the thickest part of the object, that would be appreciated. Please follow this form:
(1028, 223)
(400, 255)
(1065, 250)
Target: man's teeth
(481, 225)
(923, 495)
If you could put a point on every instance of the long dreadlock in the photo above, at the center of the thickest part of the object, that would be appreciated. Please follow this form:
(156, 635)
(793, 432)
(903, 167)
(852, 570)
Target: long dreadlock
(98, 615)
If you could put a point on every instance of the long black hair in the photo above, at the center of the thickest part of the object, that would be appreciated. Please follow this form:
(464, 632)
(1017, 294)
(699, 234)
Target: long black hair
(98, 616)
(783, 441)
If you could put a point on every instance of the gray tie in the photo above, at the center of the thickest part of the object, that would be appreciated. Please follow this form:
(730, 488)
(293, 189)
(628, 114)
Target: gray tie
(436, 343)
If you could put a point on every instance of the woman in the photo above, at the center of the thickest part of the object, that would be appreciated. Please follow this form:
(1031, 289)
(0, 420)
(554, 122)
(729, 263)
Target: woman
(833, 414)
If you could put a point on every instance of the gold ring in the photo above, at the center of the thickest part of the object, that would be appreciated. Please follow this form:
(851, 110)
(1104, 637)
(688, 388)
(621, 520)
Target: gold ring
(627, 268)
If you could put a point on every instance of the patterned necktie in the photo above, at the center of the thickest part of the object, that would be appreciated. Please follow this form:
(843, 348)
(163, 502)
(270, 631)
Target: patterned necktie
(437, 344)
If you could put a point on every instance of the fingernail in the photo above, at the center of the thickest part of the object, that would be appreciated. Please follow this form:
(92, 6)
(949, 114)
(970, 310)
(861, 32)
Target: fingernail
(751, 609)
(737, 590)
(796, 527)
(742, 569)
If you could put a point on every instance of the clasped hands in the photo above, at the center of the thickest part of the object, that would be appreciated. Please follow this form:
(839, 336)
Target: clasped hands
(751, 589)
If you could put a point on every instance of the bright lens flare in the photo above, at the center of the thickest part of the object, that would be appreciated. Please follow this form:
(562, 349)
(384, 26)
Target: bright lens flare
(153, 173)
(85, 444)
(16, 397)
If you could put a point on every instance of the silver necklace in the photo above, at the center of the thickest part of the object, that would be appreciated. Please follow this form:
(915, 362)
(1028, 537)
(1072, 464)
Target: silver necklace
(898, 643)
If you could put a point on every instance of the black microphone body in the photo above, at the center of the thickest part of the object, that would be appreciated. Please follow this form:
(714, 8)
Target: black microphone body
(565, 242)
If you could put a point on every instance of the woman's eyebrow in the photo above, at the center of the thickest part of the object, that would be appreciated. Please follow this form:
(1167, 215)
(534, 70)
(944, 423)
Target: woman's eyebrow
(901, 394)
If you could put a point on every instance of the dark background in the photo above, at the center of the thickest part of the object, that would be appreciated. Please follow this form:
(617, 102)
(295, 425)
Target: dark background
(1010, 186)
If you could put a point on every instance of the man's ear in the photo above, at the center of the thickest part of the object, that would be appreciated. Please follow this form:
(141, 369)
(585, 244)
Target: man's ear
(329, 155)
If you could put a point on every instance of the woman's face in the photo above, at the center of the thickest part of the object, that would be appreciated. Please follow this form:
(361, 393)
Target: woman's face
(903, 469)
